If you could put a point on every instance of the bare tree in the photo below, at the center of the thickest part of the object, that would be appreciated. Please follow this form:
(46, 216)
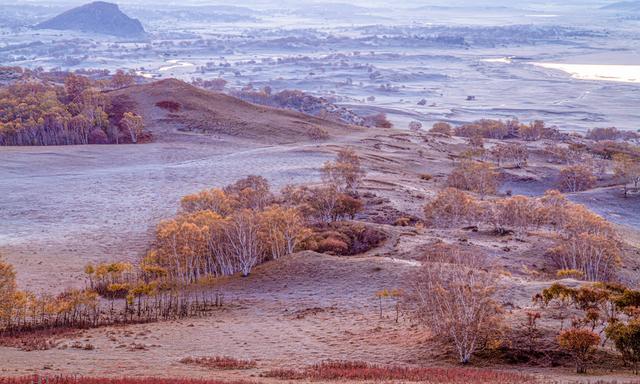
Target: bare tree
(627, 169)
(455, 298)
(345, 173)
(576, 178)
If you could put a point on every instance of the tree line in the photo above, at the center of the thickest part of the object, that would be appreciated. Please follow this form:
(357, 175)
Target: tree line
(34, 111)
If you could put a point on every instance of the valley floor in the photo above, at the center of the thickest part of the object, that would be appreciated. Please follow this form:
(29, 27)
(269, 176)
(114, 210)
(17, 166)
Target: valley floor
(299, 310)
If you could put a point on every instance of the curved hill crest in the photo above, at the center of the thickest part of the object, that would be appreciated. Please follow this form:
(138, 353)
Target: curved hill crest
(172, 108)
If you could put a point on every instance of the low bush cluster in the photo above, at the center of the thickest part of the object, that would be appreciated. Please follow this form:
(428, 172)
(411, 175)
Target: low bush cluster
(498, 129)
(104, 380)
(600, 311)
(344, 238)
(361, 371)
(220, 362)
(610, 133)
(576, 178)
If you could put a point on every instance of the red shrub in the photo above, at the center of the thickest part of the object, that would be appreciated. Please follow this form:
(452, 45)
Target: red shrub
(345, 238)
(333, 245)
(97, 136)
(220, 362)
(37, 340)
(348, 370)
(170, 106)
(104, 380)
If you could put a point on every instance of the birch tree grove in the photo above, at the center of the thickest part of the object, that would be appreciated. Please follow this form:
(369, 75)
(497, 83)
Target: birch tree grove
(221, 232)
(35, 112)
(244, 243)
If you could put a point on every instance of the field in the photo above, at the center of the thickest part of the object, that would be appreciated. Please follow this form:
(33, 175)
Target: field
(289, 313)
(321, 315)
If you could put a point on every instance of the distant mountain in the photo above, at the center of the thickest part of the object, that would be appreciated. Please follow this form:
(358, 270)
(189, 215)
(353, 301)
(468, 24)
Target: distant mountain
(97, 17)
(624, 6)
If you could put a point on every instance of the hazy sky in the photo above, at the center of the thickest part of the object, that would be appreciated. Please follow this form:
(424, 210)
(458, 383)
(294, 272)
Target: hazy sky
(376, 3)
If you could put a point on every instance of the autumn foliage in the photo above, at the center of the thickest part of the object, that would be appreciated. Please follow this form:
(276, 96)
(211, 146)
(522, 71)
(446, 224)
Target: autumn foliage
(581, 343)
(222, 232)
(452, 208)
(442, 128)
(598, 312)
(35, 112)
(476, 177)
(576, 178)
(585, 241)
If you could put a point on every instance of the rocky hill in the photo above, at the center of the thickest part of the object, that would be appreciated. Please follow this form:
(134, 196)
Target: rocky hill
(97, 17)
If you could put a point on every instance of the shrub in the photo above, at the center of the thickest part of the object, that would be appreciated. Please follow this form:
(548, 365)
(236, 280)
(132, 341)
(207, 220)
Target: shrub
(343, 371)
(627, 170)
(8, 289)
(378, 120)
(317, 133)
(333, 245)
(442, 128)
(596, 256)
(345, 238)
(456, 300)
(576, 178)
(489, 129)
(532, 132)
(518, 212)
(171, 106)
(347, 206)
(345, 173)
(607, 149)
(476, 177)
(415, 126)
(477, 144)
(626, 339)
(451, 208)
(220, 362)
(580, 343)
(515, 154)
(611, 133)
(564, 155)
(38, 340)
(215, 200)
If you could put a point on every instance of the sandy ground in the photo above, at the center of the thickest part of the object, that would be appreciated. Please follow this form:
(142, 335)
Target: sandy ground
(300, 310)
